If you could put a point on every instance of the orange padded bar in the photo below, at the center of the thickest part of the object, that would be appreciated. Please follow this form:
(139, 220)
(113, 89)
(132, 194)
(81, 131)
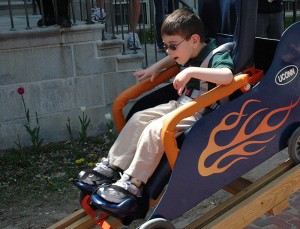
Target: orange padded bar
(169, 132)
(135, 91)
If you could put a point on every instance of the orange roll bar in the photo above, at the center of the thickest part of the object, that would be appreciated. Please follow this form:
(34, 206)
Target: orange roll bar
(137, 90)
(169, 127)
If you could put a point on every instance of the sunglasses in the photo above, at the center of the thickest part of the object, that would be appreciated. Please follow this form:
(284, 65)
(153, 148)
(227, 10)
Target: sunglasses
(172, 47)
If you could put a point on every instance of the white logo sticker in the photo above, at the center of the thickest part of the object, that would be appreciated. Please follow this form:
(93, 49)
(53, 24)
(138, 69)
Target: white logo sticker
(286, 75)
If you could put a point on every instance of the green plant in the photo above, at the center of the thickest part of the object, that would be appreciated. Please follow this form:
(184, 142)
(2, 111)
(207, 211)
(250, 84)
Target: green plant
(18, 143)
(34, 132)
(84, 124)
(71, 137)
(111, 134)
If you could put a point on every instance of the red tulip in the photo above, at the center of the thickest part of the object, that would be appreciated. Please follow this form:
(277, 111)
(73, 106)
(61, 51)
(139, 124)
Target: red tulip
(21, 90)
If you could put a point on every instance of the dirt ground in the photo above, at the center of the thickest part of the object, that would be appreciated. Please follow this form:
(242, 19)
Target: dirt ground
(43, 211)
(39, 212)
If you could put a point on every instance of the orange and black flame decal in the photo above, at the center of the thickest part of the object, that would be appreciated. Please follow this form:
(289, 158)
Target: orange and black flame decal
(236, 148)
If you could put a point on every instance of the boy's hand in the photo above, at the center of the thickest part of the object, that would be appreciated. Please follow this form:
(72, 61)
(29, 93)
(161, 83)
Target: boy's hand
(146, 73)
(180, 81)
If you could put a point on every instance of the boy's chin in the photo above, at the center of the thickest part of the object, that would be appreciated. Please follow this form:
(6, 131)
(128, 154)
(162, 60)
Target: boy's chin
(179, 62)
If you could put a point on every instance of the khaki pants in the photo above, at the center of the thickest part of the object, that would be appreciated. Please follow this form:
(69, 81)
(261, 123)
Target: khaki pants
(138, 149)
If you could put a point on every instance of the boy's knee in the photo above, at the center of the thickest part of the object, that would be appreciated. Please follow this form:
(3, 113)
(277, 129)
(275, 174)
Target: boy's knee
(136, 116)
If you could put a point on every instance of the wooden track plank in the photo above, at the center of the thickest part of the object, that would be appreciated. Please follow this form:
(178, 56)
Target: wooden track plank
(69, 220)
(237, 185)
(279, 208)
(83, 223)
(260, 202)
(239, 197)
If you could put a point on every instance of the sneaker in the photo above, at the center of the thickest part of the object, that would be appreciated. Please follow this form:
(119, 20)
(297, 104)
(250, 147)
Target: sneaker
(121, 190)
(105, 169)
(64, 22)
(133, 41)
(101, 173)
(46, 22)
(98, 15)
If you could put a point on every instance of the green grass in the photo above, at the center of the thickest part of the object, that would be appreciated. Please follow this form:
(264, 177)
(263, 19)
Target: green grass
(289, 21)
(147, 36)
(29, 173)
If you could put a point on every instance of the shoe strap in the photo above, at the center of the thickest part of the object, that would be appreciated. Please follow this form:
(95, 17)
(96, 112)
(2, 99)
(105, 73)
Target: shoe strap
(124, 191)
(101, 176)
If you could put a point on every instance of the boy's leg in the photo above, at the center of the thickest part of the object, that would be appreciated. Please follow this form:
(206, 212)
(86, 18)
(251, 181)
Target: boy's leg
(134, 14)
(63, 13)
(98, 13)
(161, 9)
(63, 8)
(133, 41)
(148, 154)
(262, 25)
(173, 5)
(150, 148)
(123, 150)
(276, 26)
(48, 11)
(101, 4)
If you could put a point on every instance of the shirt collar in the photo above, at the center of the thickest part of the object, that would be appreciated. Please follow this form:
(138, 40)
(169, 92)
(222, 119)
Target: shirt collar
(210, 45)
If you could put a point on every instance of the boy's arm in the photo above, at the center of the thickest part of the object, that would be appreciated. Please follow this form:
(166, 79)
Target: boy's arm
(214, 75)
(154, 69)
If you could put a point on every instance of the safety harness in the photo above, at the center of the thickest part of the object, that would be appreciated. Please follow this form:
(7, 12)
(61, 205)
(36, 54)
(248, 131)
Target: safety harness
(190, 94)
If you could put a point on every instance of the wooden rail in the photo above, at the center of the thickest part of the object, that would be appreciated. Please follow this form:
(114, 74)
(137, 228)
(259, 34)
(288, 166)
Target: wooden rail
(78, 219)
(269, 193)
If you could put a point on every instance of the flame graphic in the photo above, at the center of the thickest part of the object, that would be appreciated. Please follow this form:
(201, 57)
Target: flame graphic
(237, 146)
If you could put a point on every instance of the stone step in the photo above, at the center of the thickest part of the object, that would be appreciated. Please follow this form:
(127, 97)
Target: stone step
(18, 8)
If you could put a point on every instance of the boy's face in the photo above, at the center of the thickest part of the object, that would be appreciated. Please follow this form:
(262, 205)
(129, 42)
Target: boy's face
(184, 48)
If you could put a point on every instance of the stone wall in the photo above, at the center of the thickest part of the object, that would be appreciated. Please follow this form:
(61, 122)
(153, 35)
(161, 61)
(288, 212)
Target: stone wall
(61, 71)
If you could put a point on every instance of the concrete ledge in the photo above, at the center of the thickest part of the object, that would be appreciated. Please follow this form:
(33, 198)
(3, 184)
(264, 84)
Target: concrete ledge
(130, 61)
(15, 5)
(109, 47)
(50, 36)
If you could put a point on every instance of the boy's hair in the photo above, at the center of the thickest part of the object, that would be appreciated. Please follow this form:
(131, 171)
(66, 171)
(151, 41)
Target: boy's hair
(183, 22)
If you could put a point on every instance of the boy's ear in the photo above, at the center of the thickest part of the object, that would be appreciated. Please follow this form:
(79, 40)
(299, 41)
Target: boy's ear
(195, 38)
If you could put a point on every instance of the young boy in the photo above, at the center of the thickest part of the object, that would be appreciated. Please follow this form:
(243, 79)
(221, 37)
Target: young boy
(138, 149)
